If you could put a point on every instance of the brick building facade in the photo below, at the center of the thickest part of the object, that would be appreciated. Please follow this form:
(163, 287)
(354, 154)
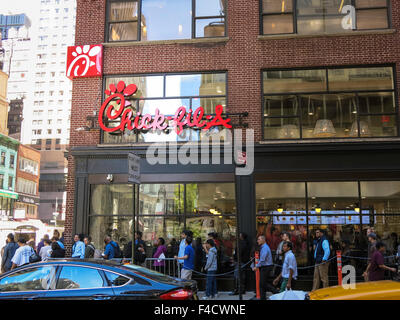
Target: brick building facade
(246, 54)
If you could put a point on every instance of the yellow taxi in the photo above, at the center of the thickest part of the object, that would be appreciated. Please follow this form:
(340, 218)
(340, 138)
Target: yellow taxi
(374, 290)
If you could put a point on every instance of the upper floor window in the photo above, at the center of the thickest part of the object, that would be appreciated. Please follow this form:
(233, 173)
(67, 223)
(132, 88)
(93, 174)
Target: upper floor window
(323, 16)
(144, 20)
(168, 92)
(329, 103)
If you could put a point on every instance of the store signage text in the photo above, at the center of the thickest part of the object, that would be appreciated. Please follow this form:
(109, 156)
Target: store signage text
(182, 118)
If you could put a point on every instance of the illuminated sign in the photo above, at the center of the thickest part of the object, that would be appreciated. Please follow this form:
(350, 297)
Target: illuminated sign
(84, 61)
(122, 112)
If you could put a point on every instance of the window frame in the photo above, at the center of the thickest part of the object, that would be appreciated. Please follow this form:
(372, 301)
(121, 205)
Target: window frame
(194, 19)
(295, 18)
(357, 93)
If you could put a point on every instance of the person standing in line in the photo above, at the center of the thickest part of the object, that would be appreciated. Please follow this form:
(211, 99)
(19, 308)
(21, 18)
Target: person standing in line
(160, 253)
(321, 256)
(41, 243)
(200, 256)
(78, 249)
(377, 266)
(111, 248)
(211, 268)
(188, 260)
(45, 251)
(372, 240)
(243, 263)
(89, 247)
(8, 254)
(289, 268)
(182, 247)
(265, 265)
(22, 254)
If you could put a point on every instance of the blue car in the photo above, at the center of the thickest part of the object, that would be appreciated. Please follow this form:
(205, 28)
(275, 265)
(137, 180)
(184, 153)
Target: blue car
(78, 279)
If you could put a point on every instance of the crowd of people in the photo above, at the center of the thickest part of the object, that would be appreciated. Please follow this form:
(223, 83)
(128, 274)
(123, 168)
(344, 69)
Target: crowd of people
(277, 269)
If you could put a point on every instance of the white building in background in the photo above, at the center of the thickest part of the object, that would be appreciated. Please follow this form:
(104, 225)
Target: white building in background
(47, 103)
(49, 115)
(18, 62)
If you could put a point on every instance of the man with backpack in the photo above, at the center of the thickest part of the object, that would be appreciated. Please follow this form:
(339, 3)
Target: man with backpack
(112, 249)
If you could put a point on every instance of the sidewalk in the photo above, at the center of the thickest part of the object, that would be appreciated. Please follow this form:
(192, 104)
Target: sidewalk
(224, 295)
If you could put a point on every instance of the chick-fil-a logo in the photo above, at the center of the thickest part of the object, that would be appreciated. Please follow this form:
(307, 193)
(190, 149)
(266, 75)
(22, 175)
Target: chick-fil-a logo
(84, 61)
(127, 120)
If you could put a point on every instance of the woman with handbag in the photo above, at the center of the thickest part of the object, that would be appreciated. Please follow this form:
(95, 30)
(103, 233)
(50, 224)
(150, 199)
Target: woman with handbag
(160, 253)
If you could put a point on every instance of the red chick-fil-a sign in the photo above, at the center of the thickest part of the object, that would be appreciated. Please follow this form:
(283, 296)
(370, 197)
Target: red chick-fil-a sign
(181, 119)
(84, 61)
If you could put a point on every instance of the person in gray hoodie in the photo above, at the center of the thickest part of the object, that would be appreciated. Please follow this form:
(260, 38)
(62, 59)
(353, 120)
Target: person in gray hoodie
(211, 268)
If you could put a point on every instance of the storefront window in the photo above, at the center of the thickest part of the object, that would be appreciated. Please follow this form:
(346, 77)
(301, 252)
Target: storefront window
(161, 199)
(345, 210)
(352, 113)
(119, 227)
(146, 20)
(167, 93)
(111, 199)
(316, 17)
(210, 198)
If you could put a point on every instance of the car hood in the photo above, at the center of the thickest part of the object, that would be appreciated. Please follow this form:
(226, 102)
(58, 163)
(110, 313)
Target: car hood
(374, 290)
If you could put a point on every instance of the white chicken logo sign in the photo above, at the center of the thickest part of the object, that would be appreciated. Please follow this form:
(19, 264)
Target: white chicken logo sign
(84, 61)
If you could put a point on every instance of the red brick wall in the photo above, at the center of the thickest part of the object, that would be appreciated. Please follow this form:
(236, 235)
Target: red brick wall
(243, 57)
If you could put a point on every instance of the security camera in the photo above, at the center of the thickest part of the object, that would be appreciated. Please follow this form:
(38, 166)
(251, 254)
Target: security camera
(110, 178)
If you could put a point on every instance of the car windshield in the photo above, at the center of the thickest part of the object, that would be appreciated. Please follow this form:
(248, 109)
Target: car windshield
(151, 274)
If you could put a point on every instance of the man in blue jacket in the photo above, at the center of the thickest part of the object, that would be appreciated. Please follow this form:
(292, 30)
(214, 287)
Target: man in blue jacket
(321, 256)
(9, 252)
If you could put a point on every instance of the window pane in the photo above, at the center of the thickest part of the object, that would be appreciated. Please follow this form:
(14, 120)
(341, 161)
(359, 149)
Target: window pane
(380, 196)
(225, 227)
(156, 227)
(115, 199)
(123, 31)
(333, 197)
(148, 86)
(329, 115)
(379, 78)
(274, 6)
(210, 8)
(271, 227)
(128, 136)
(381, 102)
(372, 19)
(208, 104)
(195, 84)
(115, 279)
(280, 106)
(161, 199)
(323, 24)
(79, 278)
(166, 20)
(210, 198)
(210, 28)
(285, 196)
(287, 81)
(370, 3)
(119, 227)
(320, 7)
(277, 24)
(28, 280)
(123, 11)
(281, 128)
(381, 126)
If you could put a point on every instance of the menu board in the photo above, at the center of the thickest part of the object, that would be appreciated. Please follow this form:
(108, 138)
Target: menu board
(325, 217)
